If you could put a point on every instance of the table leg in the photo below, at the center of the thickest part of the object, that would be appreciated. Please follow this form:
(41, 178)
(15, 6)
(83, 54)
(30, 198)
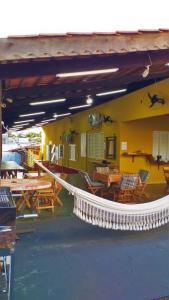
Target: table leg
(23, 200)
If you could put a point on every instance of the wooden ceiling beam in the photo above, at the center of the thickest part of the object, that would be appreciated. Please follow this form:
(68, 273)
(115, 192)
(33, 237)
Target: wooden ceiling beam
(54, 89)
(68, 90)
(37, 81)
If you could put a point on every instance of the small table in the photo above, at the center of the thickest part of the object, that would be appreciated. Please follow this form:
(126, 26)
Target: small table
(25, 186)
(9, 167)
(107, 178)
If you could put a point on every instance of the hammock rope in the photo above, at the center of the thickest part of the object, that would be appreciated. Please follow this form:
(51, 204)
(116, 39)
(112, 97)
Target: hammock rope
(113, 215)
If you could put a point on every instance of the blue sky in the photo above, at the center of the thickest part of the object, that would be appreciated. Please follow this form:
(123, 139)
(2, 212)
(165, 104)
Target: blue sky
(20, 17)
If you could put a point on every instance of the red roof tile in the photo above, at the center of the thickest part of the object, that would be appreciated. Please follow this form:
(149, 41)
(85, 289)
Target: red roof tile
(45, 46)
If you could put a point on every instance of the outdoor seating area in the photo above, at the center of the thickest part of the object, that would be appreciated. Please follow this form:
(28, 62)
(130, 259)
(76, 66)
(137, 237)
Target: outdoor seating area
(115, 186)
(35, 190)
(31, 191)
(100, 156)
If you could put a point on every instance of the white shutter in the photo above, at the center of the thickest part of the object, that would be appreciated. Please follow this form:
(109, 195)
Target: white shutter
(163, 145)
(48, 152)
(60, 151)
(83, 144)
(95, 145)
(155, 144)
(72, 152)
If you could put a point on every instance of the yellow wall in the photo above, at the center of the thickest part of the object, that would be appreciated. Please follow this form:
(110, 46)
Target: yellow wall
(134, 122)
(79, 122)
(139, 137)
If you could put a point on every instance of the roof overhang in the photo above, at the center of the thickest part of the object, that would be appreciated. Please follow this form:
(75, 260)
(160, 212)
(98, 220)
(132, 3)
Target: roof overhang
(29, 67)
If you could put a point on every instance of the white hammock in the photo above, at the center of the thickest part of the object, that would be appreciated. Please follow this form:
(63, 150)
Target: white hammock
(112, 215)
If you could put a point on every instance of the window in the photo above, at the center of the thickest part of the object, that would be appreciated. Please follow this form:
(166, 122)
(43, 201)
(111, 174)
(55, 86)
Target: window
(83, 144)
(72, 152)
(95, 145)
(161, 145)
(60, 151)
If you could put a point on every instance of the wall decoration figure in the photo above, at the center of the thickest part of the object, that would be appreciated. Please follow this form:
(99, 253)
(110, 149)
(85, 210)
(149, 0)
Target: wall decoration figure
(155, 99)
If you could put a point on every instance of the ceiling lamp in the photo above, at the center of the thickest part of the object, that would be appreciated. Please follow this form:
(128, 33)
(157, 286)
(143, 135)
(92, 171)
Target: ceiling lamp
(79, 106)
(146, 71)
(89, 100)
(147, 68)
(25, 124)
(17, 126)
(47, 102)
(61, 115)
(21, 125)
(9, 100)
(14, 129)
(32, 114)
(48, 120)
(112, 92)
(91, 72)
(41, 124)
(18, 122)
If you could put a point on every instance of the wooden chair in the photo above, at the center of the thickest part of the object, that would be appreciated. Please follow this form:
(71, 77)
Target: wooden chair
(92, 186)
(59, 187)
(124, 191)
(46, 198)
(140, 189)
(8, 174)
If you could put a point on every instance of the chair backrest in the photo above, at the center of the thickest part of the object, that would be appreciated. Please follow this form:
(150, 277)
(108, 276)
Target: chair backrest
(48, 178)
(86, 177)
(144, 175)
(129, 181)
(166, 174)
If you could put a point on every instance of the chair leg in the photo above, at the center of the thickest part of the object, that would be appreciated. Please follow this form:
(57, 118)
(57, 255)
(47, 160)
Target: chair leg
(44, 202)
(58, 200)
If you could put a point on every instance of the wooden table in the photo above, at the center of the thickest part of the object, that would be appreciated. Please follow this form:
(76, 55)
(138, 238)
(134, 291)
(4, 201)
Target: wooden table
(10, 168)
(25, 186)
(107, 178)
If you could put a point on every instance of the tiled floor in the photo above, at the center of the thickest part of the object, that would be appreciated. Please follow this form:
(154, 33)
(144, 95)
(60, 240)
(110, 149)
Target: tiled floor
(67, 259)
